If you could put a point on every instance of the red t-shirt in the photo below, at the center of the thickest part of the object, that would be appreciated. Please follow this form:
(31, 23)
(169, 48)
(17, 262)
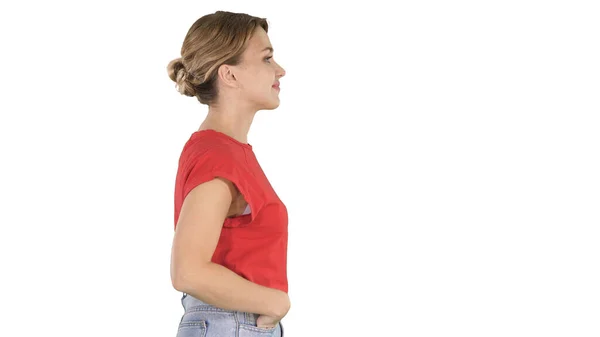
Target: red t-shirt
(252, 245)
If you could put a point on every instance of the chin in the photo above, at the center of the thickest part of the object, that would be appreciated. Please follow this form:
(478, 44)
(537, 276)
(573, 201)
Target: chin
(271, 105)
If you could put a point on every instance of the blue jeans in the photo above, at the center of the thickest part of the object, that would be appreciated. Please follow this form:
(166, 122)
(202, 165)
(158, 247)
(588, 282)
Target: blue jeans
(201, 319)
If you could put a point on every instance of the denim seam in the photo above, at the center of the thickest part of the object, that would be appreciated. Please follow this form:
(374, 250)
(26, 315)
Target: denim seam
(237, 324)
(209, 308)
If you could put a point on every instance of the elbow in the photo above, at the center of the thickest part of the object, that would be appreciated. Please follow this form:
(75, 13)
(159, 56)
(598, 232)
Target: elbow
(186, 279)
(176, 277)
(176, 283)
(180, 280)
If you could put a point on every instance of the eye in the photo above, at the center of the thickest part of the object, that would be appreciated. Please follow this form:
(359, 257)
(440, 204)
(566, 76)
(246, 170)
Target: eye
(268, 58)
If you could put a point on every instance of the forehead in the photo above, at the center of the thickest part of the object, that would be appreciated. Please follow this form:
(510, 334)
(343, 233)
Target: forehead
(259, 41)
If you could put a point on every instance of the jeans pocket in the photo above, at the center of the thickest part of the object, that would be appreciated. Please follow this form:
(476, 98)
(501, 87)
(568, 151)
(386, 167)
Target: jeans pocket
(250, 330)
(192, 328)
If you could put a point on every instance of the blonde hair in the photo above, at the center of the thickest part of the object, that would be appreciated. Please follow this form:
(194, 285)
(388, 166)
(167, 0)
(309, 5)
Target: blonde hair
(213, 40)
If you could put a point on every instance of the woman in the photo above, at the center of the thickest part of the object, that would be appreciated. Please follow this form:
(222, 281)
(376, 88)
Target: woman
(229, 251)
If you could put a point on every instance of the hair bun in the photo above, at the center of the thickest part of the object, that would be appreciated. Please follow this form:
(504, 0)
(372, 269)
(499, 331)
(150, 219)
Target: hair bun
(179, 75)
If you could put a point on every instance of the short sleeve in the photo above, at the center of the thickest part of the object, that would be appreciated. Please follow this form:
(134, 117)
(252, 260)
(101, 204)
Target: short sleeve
(212, 163)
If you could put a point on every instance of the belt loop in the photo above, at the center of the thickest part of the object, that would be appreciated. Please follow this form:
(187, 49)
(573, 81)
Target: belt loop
(238, 317)
(182, 297)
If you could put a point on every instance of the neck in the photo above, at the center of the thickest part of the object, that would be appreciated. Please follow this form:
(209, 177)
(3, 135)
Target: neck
(230, 120)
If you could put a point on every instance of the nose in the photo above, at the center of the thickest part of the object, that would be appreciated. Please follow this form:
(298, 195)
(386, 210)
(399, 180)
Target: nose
(281, 72)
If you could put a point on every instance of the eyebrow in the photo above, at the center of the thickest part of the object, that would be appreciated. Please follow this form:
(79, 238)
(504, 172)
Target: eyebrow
(269, 49)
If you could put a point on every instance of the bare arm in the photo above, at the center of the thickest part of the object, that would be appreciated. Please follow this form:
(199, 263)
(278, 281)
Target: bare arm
(196, 236)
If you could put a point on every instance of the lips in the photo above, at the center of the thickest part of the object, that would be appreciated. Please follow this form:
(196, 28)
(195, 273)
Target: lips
(276, 85)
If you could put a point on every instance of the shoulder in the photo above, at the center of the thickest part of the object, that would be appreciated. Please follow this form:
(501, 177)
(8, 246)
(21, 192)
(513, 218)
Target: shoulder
(203, 146)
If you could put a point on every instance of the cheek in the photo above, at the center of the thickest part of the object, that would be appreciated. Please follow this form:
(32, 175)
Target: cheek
(260, 82)
(264, 82)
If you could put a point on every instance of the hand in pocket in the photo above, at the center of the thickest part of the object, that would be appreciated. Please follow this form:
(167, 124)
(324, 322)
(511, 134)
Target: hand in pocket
(266, 322)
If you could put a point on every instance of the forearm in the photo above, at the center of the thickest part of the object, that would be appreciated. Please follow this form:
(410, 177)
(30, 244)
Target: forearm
(222, 288)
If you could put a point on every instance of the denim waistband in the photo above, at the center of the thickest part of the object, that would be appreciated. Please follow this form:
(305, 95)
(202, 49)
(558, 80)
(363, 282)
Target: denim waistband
(191, 303)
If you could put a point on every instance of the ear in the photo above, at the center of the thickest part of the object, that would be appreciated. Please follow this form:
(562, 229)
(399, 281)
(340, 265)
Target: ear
(227, 75)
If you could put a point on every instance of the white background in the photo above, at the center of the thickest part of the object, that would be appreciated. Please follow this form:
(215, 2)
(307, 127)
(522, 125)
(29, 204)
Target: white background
(439, 161)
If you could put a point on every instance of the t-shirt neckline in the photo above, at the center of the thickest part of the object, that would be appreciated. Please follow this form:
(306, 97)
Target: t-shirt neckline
(226, 136)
